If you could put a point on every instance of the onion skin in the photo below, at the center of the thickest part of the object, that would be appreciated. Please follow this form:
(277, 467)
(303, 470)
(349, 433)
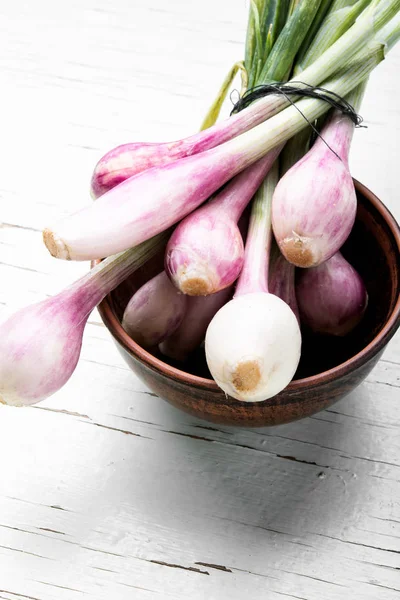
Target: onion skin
(332, 297)
(154, 312)
(192, 330)
(314, 204)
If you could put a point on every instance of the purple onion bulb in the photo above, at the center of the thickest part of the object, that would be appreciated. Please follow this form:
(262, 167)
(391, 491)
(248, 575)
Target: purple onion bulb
(205, 253)
(282, 282)
(192, 330)
(332, 297)
(314, 204)
(154, 312)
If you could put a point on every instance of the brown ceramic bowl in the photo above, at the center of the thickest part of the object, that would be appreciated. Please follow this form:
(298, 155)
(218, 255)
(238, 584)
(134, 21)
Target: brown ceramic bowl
(329, 369)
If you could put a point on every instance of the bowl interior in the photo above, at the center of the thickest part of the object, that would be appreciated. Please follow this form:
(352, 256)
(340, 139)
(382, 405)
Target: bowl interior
(372, 248)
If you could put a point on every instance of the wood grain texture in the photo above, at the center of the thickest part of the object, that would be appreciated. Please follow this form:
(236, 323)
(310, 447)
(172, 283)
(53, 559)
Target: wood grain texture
(105, 490)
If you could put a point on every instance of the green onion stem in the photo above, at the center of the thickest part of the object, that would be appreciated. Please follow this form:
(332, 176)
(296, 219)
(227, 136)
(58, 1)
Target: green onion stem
(215, 109)
(109, 273)
(267, 18)
(336, 23)
(324, 7)
(339, 54)
(346, 52)
(355, 97)
(389, 35)
(280, 60)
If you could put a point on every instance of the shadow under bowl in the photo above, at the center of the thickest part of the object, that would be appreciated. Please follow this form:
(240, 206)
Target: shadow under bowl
(330, 368)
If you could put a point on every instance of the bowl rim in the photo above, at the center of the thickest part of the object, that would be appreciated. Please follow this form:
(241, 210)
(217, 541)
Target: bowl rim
(383, 336)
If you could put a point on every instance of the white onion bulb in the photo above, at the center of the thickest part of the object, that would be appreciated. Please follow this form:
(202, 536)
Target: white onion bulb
(253, 346)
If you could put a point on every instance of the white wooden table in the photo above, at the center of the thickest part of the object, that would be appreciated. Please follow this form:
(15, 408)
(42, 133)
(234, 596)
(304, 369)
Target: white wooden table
(106, 491)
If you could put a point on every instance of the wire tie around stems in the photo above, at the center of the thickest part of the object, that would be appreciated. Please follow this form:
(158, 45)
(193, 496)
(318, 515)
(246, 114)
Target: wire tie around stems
(307, 91)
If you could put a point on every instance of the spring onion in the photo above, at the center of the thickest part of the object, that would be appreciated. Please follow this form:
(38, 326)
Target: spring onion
(40, 344)
(253, 343)
(314, 204)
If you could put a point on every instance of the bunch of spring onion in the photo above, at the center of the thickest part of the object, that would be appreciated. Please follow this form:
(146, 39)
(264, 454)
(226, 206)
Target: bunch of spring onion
(203, 184)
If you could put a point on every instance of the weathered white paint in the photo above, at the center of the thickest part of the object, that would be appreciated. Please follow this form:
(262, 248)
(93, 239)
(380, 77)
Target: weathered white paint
(106, 491)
